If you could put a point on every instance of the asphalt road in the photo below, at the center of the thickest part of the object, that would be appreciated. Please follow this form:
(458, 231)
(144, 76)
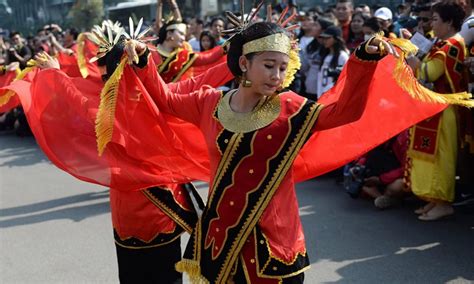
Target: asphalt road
(56, 229)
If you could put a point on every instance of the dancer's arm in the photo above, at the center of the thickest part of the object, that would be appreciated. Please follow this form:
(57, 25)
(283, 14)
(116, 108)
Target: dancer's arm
(214, 77)
(209, 57)
(187, 104)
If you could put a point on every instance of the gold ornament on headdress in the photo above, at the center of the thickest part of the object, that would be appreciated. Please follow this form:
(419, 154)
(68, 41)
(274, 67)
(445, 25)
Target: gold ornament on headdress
(135, 36)
(115, 26)
(104, 124)
(105, 37)
(279, 42)
(177, 26)
(275, 42)
(242, 23)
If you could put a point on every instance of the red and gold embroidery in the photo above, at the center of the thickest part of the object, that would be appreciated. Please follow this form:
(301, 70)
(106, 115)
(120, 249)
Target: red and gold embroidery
(240, 196)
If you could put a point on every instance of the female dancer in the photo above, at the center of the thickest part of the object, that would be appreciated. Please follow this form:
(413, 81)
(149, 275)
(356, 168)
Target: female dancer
(250, 231)
(174, 56)
(147, 223)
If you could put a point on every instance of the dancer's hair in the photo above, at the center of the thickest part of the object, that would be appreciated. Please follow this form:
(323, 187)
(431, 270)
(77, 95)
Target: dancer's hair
(163, 33)
(112, 59)
(253, 32)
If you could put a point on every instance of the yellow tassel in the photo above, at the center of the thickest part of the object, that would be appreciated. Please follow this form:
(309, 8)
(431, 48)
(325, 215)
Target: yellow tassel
(405, 45)
(407, 81)
(20, 75)
(294, 65)
(81, 60)
(192, 268)
(104, 124)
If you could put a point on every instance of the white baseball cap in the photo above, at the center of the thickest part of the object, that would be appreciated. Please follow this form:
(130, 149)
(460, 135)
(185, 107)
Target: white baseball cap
(383, 13)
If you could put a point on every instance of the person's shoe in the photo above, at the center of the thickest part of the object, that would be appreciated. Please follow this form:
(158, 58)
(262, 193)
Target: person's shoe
(436, 213)
(384, 202)
(420, 211)
(424, 209)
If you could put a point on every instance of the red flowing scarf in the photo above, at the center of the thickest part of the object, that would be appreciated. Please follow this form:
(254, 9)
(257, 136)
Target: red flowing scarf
(150, 148)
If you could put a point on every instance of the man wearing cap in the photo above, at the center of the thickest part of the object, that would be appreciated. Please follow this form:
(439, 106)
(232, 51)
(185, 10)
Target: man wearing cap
(385, 16)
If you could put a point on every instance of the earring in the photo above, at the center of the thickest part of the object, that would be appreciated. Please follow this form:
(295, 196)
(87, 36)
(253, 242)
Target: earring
(245, 83)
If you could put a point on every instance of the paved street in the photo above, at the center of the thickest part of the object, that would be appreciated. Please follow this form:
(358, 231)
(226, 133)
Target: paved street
(56, 229)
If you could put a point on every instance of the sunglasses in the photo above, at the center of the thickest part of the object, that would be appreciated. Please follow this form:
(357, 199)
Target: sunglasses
(424, 19)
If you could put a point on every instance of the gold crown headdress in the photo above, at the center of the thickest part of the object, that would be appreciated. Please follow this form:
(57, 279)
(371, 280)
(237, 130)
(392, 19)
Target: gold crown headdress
(279, 42)
(176, 26)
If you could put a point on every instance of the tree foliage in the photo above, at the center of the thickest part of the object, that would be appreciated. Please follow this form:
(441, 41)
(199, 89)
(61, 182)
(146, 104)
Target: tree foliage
(86, 13)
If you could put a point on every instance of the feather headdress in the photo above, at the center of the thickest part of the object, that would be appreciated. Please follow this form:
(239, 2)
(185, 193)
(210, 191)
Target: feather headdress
(108, 97)
(133, 36)
(106, 37)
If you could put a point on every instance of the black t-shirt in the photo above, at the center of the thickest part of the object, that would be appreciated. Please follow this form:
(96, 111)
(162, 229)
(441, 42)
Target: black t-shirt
(24, 52)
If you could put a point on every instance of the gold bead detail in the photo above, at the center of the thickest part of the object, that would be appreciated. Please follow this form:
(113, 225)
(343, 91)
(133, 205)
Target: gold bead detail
(269, 137)
(251, 171)
(226, 141)
(231, 203)
(252, 260)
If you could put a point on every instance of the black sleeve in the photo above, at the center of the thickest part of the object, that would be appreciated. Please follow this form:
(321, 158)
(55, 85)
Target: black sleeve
(361, 53)
(143, 59)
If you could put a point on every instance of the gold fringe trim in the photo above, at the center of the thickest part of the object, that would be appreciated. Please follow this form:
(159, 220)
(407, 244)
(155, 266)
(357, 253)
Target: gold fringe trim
(104, 123)
(409, 83)
(192, 268)
(20, 75)
(81, 59)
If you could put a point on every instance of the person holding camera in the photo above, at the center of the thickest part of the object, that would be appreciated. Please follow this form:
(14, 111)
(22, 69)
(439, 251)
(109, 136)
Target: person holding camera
(333, 57)
(18, 52)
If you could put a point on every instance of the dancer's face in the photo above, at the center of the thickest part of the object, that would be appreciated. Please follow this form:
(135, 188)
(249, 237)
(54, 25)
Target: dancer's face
(176, 38)
(267, 71)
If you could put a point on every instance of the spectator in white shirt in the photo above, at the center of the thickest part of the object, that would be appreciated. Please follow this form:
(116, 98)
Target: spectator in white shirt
(196, 25)
(333, 57)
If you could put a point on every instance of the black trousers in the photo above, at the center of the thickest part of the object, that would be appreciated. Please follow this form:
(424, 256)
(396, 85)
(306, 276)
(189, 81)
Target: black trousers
(149, 265)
